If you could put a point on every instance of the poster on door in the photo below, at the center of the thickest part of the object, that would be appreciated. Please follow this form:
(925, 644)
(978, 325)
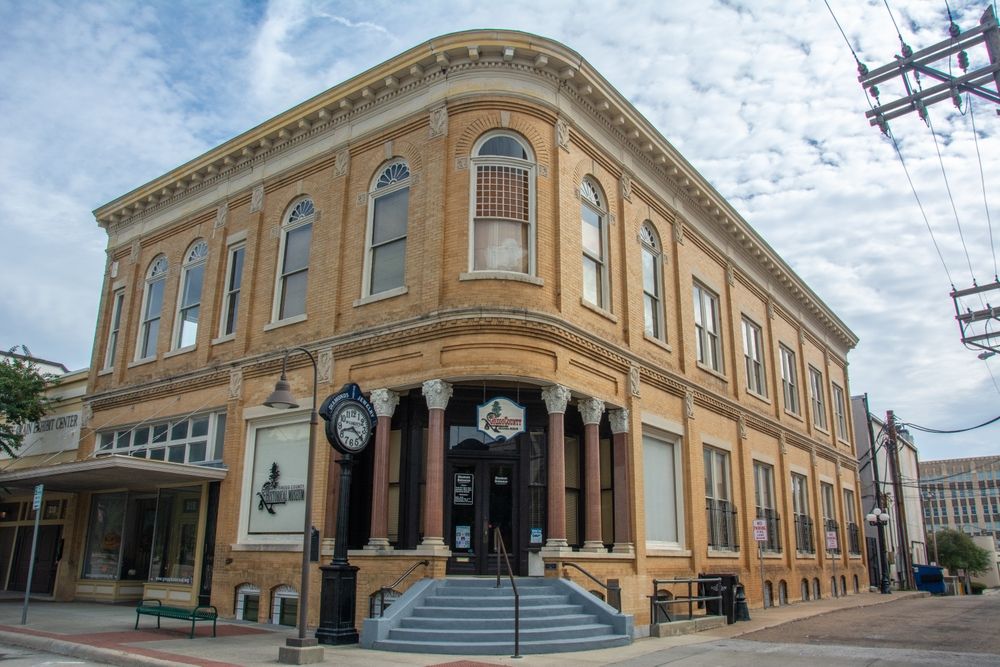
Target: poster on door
(463, 488)
(463, 537)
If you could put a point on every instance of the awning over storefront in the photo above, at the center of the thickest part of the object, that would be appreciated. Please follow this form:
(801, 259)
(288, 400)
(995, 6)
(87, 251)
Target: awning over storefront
(109, 472)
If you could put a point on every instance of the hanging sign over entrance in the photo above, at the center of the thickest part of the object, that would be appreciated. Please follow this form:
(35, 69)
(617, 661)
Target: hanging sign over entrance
(500, 418)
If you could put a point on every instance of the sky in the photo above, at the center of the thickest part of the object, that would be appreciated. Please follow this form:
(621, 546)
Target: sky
(760, 96)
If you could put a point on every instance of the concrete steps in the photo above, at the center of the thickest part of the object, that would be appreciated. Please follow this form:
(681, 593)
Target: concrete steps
(470, 616)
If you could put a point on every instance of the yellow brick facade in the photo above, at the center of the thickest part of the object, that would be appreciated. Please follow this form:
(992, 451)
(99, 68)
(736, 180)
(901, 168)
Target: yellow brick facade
(514, 333)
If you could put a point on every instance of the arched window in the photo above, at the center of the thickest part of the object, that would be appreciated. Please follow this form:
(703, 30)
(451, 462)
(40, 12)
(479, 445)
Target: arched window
(189, 297)
(293, 269)
(594, 237)
(652, 282)
(503, 204)
(768, 595)
(388, 206)
(782, 593)
(152, 307)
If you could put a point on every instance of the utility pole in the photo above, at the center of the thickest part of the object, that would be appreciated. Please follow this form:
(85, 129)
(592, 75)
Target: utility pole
(883, 565)
(897, 491)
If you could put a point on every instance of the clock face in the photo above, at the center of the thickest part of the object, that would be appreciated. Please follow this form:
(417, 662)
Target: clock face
(352, 427)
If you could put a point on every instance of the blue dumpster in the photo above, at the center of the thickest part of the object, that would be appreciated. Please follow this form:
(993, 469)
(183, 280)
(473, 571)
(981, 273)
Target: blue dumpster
(929, 578)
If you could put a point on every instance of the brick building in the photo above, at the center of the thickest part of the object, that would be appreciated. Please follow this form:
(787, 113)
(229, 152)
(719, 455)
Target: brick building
(962, 494)
(479, 225)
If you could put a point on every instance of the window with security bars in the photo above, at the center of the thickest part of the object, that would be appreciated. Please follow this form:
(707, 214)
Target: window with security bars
(853, 532)
(766, 506)
(502, 205)
(719, 508)
(803, 522)
(830, 524)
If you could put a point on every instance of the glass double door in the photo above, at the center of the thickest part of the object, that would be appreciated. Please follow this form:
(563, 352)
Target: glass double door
(482, 496)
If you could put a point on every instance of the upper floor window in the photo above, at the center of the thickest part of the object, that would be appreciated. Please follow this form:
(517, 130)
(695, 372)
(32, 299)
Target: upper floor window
(152, 305)
(789, 381)
(189, 301)
(753, 355)
(388, 205)
(293, 269)
(817, 397)
(188, 439)
(234, 281)
(652, 282)
(840, 412)
(594, 236)
(706, 326)
(503, 195)
(117, 301)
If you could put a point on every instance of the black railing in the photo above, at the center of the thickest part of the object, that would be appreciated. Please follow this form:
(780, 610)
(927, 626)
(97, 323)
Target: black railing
(500, 548)
(773, 542)
(804, 534)
(853, 539)
(660, 600)
(390, 590)
(613, 588)
(721, 516)
(831, 526)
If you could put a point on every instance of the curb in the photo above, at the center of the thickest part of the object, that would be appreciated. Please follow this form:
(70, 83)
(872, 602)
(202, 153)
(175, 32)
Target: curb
(74, 650)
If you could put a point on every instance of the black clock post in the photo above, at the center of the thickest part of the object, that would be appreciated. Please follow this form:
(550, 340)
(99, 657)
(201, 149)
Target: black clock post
(349, 435)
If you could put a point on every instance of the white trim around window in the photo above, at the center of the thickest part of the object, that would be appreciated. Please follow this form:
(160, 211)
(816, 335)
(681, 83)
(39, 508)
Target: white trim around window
(663, 491)
(229, 317)
(817, 398)
(707, 327)
(840, 411)
(654, 323)
(789, 380)
(188, 312)
(152, 309)
(596, 289)
(291, 279)
(386, 232)
(114, 328)
(753, 356)
(502, 205)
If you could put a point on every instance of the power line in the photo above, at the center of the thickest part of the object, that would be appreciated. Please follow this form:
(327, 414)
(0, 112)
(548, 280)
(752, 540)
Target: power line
(946, 431)
(982, 179)
(947, 185)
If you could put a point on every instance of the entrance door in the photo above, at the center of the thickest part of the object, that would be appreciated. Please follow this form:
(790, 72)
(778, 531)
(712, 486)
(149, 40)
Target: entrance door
(482, 495)
(46, 559)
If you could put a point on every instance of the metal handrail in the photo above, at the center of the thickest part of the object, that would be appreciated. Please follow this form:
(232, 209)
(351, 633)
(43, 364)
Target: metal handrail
(612, 587)
(381, 591)
(654, 601)
(499, 547)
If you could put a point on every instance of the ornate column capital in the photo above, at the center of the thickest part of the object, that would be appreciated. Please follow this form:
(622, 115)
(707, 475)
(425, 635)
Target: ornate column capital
(384, 401)
(591, 410)
(619, 420)
(437, 393)
(556, 398)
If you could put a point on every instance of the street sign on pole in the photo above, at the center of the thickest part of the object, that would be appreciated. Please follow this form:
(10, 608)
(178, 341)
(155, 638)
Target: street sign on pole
(36, 505)
(760, 530)
(831, 540)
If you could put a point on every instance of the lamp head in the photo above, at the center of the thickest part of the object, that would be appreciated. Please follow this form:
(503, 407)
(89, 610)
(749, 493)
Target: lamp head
(281, 397)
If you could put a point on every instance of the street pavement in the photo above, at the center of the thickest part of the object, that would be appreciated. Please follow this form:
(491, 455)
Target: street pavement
(104, 633)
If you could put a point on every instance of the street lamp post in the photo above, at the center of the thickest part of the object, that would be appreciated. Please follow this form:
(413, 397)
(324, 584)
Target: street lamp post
(281, 397)
(879, 518)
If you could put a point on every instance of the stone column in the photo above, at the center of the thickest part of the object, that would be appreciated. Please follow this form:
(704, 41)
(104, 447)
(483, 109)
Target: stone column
(623, 502)
(437, 393)
(556, 399)
(591, 409)
(385, 402)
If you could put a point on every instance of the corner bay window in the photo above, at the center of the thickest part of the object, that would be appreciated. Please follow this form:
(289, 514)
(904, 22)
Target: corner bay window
(503, 201)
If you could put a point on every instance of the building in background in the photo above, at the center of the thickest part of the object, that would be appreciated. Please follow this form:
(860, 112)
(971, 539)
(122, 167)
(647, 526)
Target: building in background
(566, 332)
(50, 441)
(905, 519)
(963, 494)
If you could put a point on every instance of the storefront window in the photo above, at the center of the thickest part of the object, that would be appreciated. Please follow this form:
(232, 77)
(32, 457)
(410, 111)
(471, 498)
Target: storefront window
(104, 539)
(176, 535)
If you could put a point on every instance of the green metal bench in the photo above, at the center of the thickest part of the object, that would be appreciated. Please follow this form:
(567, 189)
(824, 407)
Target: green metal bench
(159, 610)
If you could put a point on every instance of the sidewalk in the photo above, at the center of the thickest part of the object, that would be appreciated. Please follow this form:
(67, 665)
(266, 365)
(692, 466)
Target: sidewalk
(104, 633)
